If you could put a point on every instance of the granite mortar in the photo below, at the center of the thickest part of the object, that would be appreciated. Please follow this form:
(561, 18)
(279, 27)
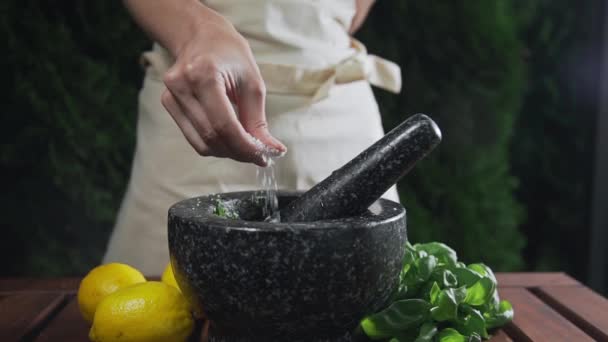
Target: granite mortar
(285, 281)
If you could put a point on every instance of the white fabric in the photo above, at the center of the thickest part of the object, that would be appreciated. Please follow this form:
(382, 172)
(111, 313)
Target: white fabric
(309, 33)
(316, 82)
(322, 128)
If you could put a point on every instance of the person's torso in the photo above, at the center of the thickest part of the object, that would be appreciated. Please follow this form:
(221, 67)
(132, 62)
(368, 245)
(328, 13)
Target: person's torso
(312, 33)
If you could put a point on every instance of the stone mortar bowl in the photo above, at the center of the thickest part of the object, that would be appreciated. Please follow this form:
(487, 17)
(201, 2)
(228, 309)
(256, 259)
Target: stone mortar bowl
(262, 281)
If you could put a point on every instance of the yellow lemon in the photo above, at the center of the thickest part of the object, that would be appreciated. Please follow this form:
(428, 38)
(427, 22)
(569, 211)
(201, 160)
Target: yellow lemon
(147, 312)
(169, 278)
(102, 281)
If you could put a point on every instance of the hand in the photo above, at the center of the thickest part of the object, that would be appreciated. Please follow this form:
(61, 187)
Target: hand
(363, 7)
(214, 69)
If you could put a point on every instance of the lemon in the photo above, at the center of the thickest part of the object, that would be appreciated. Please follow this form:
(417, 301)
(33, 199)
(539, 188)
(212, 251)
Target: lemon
(147, 312)
(169, 278)
(102, 281)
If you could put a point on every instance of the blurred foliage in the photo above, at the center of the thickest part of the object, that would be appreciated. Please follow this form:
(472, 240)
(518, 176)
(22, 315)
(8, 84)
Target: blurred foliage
(552, 153)
(68, 132)
(462, 65)
(513, 86)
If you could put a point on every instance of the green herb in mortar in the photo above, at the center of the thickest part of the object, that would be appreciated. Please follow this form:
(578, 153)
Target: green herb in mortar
(439, 299)
(223, 209)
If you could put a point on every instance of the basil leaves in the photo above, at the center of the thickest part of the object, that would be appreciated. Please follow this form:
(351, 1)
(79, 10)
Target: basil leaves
(439, 299)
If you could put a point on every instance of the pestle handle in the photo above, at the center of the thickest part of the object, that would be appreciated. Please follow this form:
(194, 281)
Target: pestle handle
(350, 190)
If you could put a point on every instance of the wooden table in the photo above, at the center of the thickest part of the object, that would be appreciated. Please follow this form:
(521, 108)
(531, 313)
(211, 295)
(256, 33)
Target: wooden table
(548, 307)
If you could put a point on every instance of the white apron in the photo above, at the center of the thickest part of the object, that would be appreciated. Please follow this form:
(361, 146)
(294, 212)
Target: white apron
(319, 104)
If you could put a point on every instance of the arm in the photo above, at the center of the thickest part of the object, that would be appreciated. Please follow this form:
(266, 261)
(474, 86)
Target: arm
(363, 7)
(214, 67)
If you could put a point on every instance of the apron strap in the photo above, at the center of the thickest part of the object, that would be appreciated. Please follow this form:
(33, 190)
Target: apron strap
(294, 79)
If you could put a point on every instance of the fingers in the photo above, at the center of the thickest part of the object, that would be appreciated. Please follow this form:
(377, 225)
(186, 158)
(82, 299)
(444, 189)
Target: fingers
(196, 115)
(226, 124)
(252, 113)
(184, 124)
(199, 90)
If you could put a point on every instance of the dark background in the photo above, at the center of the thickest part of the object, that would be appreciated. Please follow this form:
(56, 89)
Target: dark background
(513, 84)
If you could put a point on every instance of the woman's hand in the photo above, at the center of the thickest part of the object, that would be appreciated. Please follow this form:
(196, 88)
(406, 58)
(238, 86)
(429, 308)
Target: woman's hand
(363, 7)
(214, 69)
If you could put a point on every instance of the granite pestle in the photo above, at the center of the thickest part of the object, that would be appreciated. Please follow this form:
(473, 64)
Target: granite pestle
(350, 190)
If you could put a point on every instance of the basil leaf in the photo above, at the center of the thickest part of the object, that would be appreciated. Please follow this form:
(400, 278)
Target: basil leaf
(449, 279)
(411, 278)
(480, 292)
(484, 271)
(474, 338)
(420, 254)
(445, 277)
(466, 277)
(499, 317)
(220, 210)
(416, 279)
(460, 293)
(407, 336)
(494, 301)
(401, 292)
(427, 332)
(451, 335)
(473, 323)
(398, 317)
(442, 252)
(434, 293)
(408, 259)
(447, 304)
(425, 267)
(424, 291)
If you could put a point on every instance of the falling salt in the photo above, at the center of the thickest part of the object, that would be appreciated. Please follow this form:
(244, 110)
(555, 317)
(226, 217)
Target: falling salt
(267, 180)
(265, 150)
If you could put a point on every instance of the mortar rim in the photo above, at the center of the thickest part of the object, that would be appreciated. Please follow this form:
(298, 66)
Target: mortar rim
(211, 220)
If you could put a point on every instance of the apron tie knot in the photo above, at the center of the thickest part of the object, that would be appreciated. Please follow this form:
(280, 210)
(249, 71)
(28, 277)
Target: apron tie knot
(300, 80)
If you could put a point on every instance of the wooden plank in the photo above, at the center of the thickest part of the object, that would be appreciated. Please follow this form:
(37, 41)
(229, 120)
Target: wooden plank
(67, 326)
(500, 336)
(583, 307)
(66, 284)
(12, 285)
(521, 279)
(536, 279)
(22, 314)
(536, 321)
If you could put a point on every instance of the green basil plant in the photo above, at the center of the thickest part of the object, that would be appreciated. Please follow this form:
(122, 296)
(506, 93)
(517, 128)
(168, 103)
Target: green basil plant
(439, 299)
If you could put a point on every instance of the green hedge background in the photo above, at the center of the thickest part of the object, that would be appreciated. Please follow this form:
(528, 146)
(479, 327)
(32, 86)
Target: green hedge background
(509, 185)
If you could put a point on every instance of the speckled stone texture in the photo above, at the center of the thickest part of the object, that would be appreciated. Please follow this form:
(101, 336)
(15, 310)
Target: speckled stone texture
(351, 189)
(308, 281)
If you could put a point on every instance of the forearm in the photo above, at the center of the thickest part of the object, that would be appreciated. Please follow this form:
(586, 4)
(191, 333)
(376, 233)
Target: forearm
(214, 69)
(363, 7)
(170, 22)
